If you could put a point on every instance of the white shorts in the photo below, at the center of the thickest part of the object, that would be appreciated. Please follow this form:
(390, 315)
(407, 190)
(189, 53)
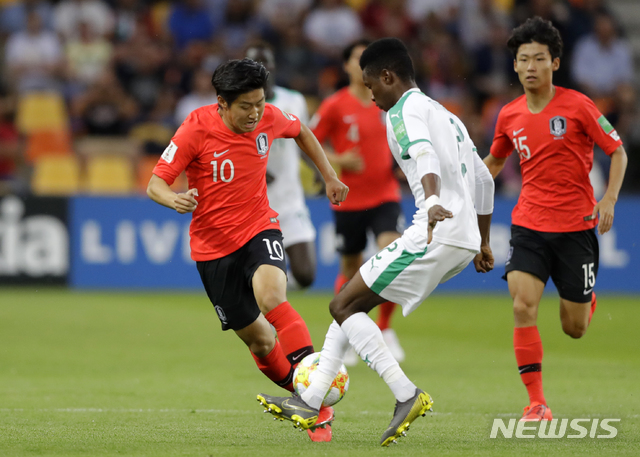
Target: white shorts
(408, 278)
(297, 227)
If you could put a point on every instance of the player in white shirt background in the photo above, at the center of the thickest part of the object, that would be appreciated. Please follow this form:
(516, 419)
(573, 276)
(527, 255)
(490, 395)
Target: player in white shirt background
(284, 189)
(453, 192)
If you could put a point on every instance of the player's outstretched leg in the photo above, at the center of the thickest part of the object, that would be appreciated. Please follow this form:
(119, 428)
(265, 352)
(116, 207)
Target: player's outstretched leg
(386, 310)
(404, 414)
(349, 308)
(292, 331)
(291, 408)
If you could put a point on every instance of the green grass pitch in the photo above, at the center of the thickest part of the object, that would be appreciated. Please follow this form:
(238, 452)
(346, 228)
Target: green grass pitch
(140, 374)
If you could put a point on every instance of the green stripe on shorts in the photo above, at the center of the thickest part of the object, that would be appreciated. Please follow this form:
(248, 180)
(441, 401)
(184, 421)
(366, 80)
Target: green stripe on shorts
(394, 269)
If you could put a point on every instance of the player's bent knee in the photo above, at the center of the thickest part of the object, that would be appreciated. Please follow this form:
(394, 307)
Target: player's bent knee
(269, 298)
(261, 347)
(304, 278)
(574, 330)
(339, 309)
(524, 310)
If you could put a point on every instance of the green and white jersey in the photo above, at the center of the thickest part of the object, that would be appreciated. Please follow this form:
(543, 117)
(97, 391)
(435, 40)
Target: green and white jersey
(416, 124)
(285, 193)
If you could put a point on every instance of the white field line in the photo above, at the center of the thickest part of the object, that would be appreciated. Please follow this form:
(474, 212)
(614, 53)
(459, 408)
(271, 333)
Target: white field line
(246, 411)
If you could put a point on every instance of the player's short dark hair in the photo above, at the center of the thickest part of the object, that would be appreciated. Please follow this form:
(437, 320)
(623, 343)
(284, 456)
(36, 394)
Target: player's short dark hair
(346, 52)
(388, 54)
(236, 77)
(538, 30)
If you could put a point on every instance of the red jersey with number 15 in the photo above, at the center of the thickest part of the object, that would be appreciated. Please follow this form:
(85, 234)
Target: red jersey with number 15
(229, 171)
(347, 124)
(556, 156)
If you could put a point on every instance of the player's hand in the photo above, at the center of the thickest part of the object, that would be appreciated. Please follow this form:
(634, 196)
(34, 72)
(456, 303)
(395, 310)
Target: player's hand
(336, 191)
(605, 208)
(436, 214)
(483, 261)
(351, 161)
(186, 202)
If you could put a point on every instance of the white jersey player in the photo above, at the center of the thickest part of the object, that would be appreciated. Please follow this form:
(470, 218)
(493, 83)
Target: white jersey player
(284, 189)
(426, 138)
(454, 195)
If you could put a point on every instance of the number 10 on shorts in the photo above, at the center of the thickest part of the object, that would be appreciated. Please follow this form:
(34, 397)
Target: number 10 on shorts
(276, 252)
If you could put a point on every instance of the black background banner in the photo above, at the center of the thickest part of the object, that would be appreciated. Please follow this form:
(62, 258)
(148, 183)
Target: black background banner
(34, 240)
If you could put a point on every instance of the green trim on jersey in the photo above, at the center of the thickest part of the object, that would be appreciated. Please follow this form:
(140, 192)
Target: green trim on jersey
(399, 129)
(604, 123)
(394, 269)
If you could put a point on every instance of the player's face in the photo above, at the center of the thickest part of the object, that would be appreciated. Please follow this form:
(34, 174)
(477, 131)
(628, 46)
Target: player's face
(245, 112)
(381, 90)
(352, 66)
(535, 66)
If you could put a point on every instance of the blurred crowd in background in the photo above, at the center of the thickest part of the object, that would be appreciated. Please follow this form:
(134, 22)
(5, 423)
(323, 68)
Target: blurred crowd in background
(131, 70)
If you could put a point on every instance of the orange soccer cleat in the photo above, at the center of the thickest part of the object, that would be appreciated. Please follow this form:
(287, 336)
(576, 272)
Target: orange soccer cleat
(321, 431)
(536, 412)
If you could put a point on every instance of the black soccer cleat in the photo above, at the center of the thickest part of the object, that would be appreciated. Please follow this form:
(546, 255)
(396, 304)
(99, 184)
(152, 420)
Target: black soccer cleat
(292, 408)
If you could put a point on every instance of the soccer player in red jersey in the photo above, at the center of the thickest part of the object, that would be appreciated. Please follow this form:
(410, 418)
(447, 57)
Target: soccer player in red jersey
(235, 236)
(355, 128)
(553, 224)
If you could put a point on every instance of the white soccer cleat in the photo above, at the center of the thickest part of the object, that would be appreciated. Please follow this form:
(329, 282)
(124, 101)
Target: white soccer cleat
(391, 340)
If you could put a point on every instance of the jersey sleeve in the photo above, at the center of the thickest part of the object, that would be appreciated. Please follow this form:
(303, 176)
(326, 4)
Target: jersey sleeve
(598, 128)
(484, 186)
(501, 147)
(285, 125)
(182, 149)
(411, 130)
(321, 123)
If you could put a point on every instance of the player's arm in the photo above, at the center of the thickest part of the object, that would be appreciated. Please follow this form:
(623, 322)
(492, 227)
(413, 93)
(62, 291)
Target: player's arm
(484, 193)
(336, 190)
(616, 175)
(350, 160)
(428, 166)
(160, 192)
(501, 149)
(494, 164)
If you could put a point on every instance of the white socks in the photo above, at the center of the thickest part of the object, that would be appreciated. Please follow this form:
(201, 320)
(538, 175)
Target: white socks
(333, 350)
(366, 338)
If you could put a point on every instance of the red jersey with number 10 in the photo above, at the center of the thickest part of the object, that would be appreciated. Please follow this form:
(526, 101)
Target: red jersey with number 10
(229, 171)
(556, 156)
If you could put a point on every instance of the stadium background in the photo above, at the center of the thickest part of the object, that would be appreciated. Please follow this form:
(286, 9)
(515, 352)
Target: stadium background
(108, 344)
(92, 91)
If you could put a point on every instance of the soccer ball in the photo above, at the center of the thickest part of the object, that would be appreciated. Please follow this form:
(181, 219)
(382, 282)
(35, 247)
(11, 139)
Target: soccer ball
(306, 369)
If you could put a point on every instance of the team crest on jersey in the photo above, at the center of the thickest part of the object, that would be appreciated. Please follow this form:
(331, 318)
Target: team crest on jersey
(262, 143)
(558, 126)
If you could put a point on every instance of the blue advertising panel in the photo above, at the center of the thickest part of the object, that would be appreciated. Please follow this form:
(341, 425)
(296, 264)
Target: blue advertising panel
(131, 242)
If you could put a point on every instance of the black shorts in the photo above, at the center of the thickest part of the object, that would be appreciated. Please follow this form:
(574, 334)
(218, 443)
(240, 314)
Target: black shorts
(570, 258)
(227, 280)
(352, 226)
